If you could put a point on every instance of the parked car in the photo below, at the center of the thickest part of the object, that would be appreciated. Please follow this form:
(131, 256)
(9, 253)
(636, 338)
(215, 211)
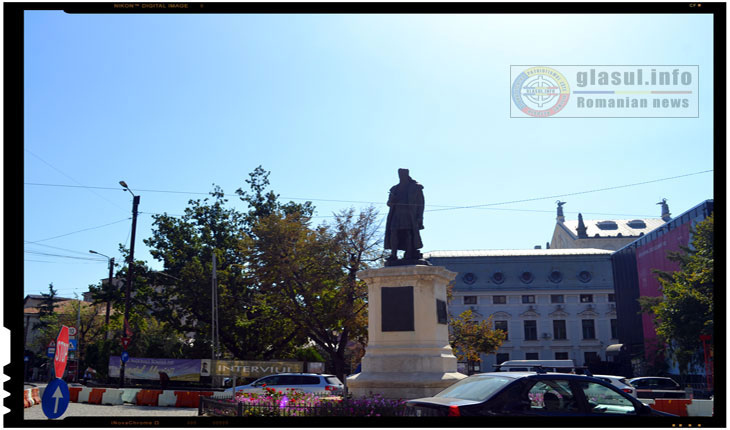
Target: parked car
(530, 394)
(562, 366)
(619, 382)
(657, 387)
(304, 382)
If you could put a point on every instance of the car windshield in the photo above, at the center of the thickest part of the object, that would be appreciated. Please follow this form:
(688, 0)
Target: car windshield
(476, 387)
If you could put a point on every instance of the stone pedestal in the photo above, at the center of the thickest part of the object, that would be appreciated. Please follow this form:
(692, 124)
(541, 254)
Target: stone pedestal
(408, 353)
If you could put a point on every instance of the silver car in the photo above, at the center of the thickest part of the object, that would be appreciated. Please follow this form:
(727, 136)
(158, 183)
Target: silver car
(619, 382)
(303, 382)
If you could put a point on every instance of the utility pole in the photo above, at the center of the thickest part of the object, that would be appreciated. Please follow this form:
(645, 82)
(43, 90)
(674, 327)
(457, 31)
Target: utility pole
(108, 292)
(130, 272)
(108, 298)
(214, 321)
(78, 341)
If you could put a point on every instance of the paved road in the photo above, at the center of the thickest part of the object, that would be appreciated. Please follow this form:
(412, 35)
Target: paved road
(126, 410)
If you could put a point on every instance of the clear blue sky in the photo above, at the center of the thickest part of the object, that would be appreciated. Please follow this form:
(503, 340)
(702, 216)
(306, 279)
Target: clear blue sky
(333, 105)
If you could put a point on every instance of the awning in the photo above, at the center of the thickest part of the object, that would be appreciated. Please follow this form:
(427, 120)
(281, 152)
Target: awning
(615, 349)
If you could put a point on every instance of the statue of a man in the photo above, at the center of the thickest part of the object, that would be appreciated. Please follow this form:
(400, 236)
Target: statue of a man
(405, 219)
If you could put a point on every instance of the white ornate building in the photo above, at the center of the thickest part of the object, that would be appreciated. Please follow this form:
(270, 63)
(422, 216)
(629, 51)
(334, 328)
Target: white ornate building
(553, 303)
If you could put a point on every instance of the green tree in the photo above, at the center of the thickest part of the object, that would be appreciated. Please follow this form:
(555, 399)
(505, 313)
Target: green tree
(47, 308)
(470, 337)
(248, 327)
(686, 309)
(309, 274)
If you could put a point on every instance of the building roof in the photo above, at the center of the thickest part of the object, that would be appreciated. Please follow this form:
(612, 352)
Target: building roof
(516, 252)
(66, 306)
(614, 228)
(702, 210)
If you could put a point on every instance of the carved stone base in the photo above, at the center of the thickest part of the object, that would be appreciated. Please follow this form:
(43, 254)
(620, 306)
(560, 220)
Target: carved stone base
(404, 262)
(409, 363)
(401, 386)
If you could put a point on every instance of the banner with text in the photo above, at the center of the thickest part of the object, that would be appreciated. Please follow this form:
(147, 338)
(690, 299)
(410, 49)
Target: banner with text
(150, 368)
(255, 369)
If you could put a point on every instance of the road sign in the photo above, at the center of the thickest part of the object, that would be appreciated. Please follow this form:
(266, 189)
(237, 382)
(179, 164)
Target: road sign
(55, 398)
(125, 342)
(72, 331)
(61, 356)
(125, 356)
(50, 352)
(74, 344)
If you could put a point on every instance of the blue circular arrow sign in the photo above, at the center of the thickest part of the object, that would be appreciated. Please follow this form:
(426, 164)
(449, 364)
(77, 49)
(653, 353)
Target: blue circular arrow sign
(55, 398)
(125, 356)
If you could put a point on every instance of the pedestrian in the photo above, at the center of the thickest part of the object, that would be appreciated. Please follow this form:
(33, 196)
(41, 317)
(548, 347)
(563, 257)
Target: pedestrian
(164, 380)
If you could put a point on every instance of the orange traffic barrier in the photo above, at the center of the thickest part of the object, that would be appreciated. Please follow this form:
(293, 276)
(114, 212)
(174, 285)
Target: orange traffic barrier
(74, 393)
(190, 399)
(35, 394)
(96, 395)
(26, 402)
(672, 406)
(148, 397)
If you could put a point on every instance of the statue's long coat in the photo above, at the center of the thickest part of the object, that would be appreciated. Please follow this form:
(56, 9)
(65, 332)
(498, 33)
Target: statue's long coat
(408, 216)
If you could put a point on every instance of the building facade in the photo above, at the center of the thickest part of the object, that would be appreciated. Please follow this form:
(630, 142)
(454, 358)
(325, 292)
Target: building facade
(634, 266)
(553, 303)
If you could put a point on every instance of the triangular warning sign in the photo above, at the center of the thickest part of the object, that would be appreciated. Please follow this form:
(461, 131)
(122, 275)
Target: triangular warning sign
(52, 344)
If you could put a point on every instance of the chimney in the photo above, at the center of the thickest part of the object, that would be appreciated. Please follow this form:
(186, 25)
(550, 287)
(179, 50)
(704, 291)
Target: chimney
(581, 228)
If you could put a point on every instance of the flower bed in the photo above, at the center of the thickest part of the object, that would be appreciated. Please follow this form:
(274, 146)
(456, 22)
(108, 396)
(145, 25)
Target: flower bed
(273, 403)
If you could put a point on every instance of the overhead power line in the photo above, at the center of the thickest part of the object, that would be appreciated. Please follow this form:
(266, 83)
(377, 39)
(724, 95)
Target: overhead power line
(568, 194)
(28, 251)
(64, 174)
(56, 247)
(63, 262)
(380, 203)
(77, 231)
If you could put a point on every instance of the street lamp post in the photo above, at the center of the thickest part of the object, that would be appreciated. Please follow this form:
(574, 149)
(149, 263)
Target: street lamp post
(130, 271)
(108, 292)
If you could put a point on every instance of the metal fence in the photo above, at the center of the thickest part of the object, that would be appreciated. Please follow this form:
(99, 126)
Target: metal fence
(340, 408)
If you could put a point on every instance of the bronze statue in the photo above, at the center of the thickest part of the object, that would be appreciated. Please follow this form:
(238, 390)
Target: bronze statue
(405, 220)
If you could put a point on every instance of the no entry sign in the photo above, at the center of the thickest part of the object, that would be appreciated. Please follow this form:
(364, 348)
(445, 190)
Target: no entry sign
(62, 345)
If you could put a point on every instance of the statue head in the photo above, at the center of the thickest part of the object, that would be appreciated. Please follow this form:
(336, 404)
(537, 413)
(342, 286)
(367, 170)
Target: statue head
(403, 174)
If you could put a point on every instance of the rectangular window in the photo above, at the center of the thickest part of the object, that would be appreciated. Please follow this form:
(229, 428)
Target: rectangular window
(614, 328)
(532, 356)
(561, 356)
(470, 300)
(528, 299)
(589, 329)
(530, 330)
(590, 357)
(586, 298)
(502, 357)
(557, 298)
(611, 298)
(559, 330)
(499, 300)
(502, 325)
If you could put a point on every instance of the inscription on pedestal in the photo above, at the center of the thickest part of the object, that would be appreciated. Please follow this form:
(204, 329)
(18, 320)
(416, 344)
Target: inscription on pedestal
(397, 309)
(441, 312)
